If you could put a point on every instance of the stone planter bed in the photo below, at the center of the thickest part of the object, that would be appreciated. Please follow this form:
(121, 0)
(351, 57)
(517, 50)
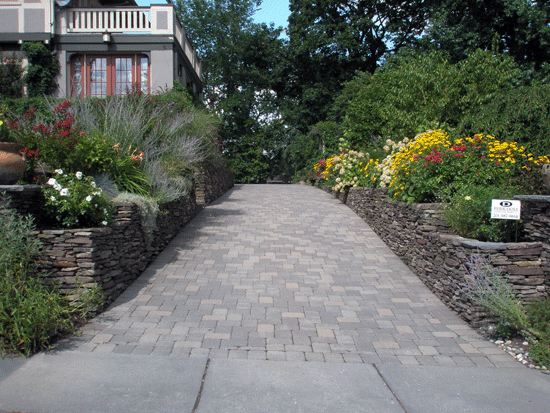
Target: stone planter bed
(417, 234)
(114, 256)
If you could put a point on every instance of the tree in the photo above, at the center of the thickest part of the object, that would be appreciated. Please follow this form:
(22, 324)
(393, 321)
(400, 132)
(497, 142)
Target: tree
(240, 66)
(517, 27)
(330, 40)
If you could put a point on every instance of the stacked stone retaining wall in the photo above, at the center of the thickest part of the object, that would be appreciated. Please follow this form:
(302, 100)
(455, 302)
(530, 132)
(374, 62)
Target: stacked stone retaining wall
(111, 257)
(418, 235)
(212, 181)
(114, 256)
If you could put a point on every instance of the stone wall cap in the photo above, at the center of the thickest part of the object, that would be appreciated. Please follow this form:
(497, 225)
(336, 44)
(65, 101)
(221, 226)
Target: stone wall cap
(499, 246)
(20, 188)
(533, 198)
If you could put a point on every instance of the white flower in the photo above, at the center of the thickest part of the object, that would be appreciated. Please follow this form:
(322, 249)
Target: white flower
(78, 175)
(93, 184)
(96, 193)
(104, 223)
(64, 192)
(52, 198)
(59, 171)
(105, 210)
(468, 198)
(88, 198)
(57, 187)
(51, 181)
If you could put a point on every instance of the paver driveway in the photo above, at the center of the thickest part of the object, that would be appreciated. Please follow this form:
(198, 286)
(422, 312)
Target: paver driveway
(285, 272)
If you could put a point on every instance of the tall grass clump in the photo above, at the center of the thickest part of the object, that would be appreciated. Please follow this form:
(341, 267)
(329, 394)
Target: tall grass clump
(173, 138)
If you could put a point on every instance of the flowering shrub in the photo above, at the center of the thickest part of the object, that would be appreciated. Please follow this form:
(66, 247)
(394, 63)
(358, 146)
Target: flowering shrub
(53, 142)
(342, 171)
(432, 167)
(97, 155)
(347, 170)
(73, 200)
(321, 169)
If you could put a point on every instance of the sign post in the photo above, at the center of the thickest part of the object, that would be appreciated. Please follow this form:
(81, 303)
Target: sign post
(506, 209)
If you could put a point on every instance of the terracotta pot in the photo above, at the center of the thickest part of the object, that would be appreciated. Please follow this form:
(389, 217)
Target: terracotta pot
(12, 163)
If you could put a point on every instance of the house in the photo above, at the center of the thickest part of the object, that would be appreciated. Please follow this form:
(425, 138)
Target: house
(104, 46)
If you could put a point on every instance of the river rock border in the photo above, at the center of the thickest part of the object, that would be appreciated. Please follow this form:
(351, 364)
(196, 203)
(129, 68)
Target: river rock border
(418, 235)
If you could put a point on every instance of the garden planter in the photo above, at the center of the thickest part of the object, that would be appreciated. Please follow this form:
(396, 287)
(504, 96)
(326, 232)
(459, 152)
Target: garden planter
(12, 163)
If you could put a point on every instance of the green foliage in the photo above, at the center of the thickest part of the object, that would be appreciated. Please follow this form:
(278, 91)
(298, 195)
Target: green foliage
(469, 214)
(42, 70)
(331, 40)
(519, 27)
(158, 144)
(11, 78)
(411, 91)
(248, 161)
(31, 313)
(538, 314)
(520, 114)
(540, 352)
(73, 200)
(17, 247)
(98, 155)
(16, 108)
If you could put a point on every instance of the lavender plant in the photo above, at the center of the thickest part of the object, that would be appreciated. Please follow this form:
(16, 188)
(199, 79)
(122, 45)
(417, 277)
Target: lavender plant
(487, 286)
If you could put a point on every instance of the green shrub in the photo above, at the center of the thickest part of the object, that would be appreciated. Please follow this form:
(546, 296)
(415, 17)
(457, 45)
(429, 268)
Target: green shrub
(520, 114)
(30, 314)
(538, 314)
(408, 92)
(540, 353)
(469, 214)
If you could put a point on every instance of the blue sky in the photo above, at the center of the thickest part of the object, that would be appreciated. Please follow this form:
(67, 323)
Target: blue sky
(271, 11)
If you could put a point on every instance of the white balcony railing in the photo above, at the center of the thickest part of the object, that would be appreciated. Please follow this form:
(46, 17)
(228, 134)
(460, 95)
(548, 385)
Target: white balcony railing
(94, 20)
(157, 19)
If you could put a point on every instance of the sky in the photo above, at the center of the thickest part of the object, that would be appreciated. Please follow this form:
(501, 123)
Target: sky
(271, 11)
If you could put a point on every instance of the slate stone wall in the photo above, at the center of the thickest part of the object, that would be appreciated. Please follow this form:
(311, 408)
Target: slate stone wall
(113, 257)
(418, 235)
(211, 182)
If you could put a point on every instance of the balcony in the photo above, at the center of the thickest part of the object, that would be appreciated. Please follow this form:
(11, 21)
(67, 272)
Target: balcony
(154, 20)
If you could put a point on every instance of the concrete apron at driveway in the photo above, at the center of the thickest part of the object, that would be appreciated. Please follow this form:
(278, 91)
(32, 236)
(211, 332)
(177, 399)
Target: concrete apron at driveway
(275, 299)
(285, 273)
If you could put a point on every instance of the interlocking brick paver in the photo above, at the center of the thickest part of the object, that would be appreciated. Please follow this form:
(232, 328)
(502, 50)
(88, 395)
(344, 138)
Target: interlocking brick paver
(287, 273)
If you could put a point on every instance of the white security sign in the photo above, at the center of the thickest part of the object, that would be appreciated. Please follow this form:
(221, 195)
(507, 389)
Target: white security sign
(505, 209)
